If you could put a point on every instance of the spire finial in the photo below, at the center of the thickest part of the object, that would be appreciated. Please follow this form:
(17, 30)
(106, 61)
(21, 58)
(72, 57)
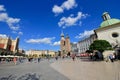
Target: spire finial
(67, 36)
(106, 16)
(62, 34)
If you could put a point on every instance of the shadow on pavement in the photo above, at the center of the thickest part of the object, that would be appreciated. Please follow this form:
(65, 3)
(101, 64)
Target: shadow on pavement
(10, 77)
(28, 76)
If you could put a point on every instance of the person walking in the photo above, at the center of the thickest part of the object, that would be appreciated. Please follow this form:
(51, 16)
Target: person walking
(73, 57)
(111, 57)
(15, 60)
(39, 59)
(56, 57)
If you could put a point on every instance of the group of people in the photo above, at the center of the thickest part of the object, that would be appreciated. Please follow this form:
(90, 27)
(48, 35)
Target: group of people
(34, 59)
(15, 60)
(96, 56)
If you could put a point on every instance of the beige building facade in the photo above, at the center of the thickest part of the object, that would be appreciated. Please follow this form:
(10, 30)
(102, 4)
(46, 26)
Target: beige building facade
(40, 53)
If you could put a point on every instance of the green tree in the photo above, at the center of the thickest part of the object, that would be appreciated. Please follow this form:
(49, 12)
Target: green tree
(100, 45)
(35, 55)
(19, 54)
(30, 56)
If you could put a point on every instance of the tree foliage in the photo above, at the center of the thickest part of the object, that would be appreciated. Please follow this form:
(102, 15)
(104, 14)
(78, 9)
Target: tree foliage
(19, 54)
(100, 45)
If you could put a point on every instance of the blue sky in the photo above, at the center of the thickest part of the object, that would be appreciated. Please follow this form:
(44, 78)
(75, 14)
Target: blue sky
(39, 23)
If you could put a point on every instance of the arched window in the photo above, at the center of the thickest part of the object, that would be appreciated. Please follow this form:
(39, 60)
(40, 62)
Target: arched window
(64, 43)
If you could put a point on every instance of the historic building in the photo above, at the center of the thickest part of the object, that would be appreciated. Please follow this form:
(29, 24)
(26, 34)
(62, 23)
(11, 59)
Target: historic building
(65, 44)
(40, 53)
(74, 48)
(84, 44)
(9, 44)
(108, 30)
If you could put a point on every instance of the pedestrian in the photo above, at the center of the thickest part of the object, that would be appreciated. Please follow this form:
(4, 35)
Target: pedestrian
(56, 57)
(29, 59)
(15, 60)
(20, 60)
(39, 59)
(0, 59)
(91, 56)
(114, 56)
(111, 57)
(63, 57)
(73, 57)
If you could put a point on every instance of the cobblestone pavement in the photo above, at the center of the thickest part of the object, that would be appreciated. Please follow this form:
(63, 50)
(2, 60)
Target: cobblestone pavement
(65, 69)
(88, 70)
(30, 71)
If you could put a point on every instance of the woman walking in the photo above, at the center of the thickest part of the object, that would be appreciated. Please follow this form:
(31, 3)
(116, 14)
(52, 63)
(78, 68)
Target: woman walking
(15, 60)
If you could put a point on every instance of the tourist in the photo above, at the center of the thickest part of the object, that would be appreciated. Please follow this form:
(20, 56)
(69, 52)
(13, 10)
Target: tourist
(15, 60)
(73, 57)
(39, 59)
(114, 56)
(63, 57)
(56, 57)
(111, 57)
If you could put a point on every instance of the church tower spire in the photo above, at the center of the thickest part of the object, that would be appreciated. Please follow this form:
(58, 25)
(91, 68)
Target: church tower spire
(68, 46)
(65, 44)
(62, 43)
(62, 34)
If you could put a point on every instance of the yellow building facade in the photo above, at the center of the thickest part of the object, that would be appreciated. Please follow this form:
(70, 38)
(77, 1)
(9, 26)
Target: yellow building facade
(40, 53)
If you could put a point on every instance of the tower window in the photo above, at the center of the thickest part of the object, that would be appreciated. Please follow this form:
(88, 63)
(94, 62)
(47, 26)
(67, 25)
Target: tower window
(115, 35)
(64, 42)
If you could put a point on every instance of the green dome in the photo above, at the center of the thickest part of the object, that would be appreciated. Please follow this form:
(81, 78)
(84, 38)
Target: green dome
(109, 22)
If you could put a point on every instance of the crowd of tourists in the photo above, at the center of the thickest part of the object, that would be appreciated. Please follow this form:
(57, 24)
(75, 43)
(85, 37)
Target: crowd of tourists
(14, 60)
(96, 56)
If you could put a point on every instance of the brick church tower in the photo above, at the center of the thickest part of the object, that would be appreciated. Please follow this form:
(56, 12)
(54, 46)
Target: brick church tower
(65, 44)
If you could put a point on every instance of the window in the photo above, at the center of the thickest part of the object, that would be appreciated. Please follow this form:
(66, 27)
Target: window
(64, 43)
(115, 35)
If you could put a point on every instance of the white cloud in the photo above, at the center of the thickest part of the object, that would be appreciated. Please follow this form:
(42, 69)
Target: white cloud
(41, 40)
(69, 4)
(56, 9)
(2, 8)
(56, 43)
(74, 42)
(15, 28)
(86, 33)
(3, 17)
(3, 35)
(20, 33)
(71, 20)
(12, 20)
(14, 32)
(13, 23)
